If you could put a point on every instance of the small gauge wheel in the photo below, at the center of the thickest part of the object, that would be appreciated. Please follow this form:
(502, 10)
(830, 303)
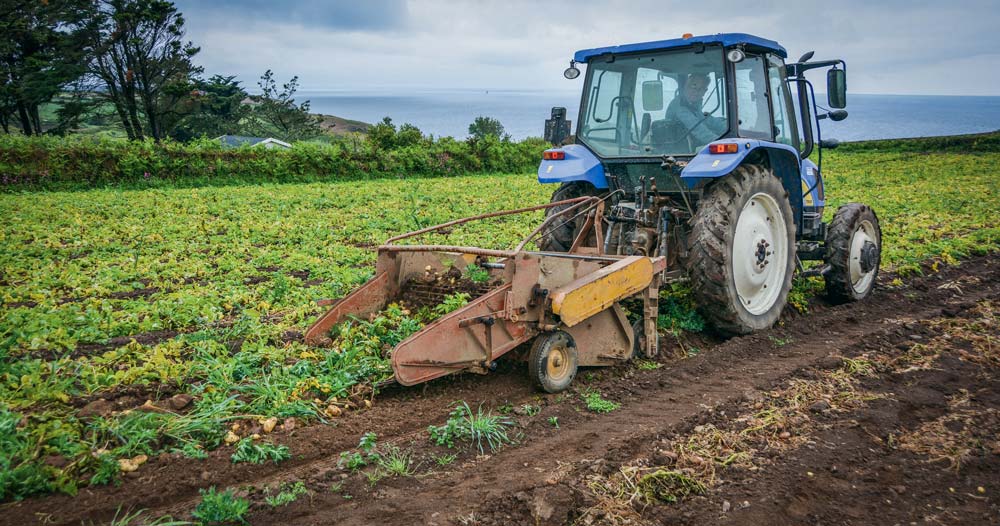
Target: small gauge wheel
(553, 361)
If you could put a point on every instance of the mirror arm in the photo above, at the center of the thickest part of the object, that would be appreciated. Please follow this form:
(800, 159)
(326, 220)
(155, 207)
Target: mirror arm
(798, 68)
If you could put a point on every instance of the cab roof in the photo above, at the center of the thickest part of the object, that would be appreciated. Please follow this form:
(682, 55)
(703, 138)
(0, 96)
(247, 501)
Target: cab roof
(726, 39)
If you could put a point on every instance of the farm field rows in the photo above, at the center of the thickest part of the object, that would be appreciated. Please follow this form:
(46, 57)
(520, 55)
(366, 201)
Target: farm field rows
(144, 328)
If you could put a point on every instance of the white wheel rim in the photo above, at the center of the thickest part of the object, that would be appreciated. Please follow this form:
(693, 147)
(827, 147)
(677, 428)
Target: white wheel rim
(861, 280)
(760, 253)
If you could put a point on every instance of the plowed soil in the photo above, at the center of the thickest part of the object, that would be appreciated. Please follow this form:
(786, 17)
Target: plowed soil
(913, 442)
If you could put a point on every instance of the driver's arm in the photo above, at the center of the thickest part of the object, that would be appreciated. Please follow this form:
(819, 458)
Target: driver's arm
(693, 121)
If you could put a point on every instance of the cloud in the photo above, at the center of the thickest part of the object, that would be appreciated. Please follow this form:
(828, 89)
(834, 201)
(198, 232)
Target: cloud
(369, 15)
(890, 47)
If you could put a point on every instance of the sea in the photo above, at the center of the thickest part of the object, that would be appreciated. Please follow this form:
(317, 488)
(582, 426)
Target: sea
(448, 112)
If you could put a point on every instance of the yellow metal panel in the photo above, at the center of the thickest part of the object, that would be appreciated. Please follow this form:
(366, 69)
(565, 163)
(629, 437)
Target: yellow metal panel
(590, 294)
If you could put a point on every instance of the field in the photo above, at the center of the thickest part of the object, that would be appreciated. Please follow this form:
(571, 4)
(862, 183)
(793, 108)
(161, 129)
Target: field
(150, 349)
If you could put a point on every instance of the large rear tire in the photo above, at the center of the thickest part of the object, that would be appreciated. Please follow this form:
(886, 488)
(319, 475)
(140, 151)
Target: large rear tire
(854, 253)
(559, 237)
(742, 251)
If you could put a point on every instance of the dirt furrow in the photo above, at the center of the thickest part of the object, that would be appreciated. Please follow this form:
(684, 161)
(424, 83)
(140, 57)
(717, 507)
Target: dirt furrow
(688, 389)
(653, 402)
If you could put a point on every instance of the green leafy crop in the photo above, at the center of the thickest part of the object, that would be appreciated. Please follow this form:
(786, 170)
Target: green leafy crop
(596, 403)
(247, 451)
(220, 508)
(166, 288)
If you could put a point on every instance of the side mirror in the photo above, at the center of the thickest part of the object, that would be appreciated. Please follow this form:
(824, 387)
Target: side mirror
(652, 95)
(835, 115)
(836, 88)
(829, 143)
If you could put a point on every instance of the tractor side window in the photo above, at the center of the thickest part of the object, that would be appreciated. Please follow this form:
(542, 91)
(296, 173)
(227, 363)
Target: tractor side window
(603, 105)
(751, 99)
(785, 127)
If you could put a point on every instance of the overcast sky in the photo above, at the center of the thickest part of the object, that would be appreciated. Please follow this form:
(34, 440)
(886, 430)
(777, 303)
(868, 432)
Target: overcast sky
(891, 46)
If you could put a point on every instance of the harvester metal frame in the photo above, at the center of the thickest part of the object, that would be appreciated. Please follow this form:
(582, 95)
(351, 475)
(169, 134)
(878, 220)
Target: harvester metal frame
(535, 293)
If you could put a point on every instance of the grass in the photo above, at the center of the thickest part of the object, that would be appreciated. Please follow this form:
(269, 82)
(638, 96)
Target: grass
(396, 462)
(479, 428)
(444, 460)
(594, 402)
(287, 494)
(129, 517)
(648, 365)
(530, 409)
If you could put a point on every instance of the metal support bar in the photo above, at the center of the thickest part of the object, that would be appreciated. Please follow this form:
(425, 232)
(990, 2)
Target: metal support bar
(580, 201)
(488, 322)
(651, 309)
(486, 216)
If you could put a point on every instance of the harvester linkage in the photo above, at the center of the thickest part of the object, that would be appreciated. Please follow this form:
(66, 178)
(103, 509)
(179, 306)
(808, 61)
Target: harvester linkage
(570, 298)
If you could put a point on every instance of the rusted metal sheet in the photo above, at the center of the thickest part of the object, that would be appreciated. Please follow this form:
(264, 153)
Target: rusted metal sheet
(604, 338)
(596, 291)
(370, 297)
(469, 338)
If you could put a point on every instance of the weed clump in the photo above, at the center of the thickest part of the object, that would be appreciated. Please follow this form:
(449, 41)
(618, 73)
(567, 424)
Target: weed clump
(476, 428)
(219, 508)
(247, 451)
(598, 404)
(287, 494)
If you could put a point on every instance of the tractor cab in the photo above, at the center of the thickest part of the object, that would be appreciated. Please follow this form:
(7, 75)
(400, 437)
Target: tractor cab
(674, 97)
(703, 149)
(706, 103)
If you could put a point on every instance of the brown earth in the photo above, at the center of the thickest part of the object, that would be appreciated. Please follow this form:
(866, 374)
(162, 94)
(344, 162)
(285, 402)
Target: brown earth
(340, 125)
(911, 439)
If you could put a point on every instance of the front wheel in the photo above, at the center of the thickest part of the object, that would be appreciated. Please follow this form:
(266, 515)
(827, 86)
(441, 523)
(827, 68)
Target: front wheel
(560, 235)
(853, 252)
(742, 251)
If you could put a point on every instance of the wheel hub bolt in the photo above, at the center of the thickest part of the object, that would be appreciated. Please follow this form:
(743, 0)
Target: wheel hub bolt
(761, 253)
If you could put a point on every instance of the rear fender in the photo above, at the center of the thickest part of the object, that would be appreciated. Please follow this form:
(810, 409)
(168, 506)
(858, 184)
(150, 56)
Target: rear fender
(784, 161)
(579, 165)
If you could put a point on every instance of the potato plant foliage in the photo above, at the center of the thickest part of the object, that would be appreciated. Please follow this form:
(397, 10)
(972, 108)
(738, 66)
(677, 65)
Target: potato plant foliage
(207, 291)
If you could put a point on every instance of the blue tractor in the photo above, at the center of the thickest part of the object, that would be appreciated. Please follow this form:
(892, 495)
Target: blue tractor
(701, 146)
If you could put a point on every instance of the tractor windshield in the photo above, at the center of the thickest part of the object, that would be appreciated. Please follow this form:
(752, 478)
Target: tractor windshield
(653, 104)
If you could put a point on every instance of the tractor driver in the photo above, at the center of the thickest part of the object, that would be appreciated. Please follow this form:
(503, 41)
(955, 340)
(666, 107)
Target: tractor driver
(684, 113)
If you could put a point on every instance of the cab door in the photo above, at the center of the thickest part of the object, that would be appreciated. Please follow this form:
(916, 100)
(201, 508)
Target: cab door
(786, 131)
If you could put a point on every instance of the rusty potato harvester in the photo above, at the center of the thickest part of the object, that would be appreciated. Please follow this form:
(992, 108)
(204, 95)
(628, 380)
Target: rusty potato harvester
(567, 302)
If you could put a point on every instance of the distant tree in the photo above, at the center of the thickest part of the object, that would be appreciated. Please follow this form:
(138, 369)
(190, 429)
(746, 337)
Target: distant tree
(408, 135)
(144, 63)
(276, 113)
(43, 49)
(485, 126)
(215, 107)
(384, 135)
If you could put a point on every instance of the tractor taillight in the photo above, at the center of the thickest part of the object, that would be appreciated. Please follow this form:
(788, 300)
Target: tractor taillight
(727, 147)
(553, 155)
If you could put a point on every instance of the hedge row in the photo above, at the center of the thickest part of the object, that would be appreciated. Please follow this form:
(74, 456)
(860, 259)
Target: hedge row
(971, 143)
(84, 162)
